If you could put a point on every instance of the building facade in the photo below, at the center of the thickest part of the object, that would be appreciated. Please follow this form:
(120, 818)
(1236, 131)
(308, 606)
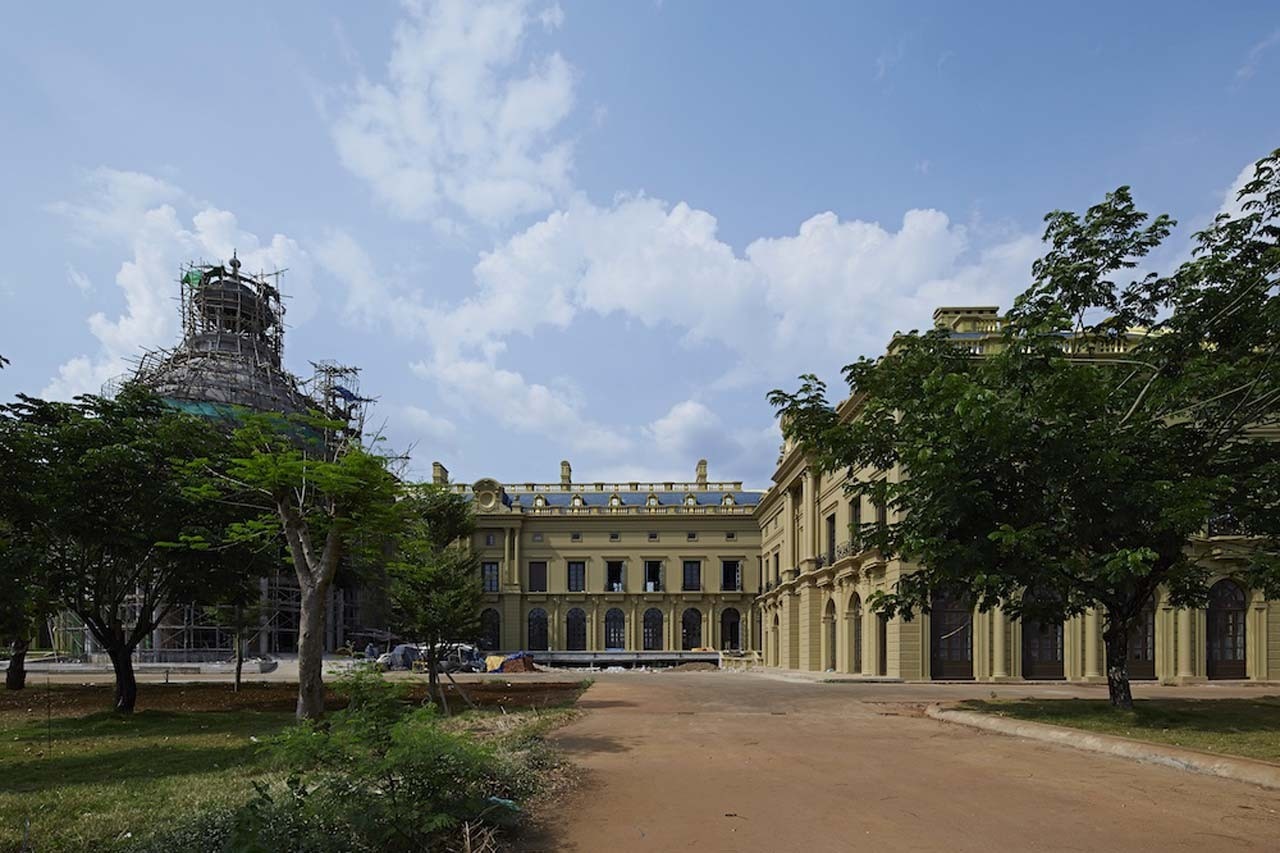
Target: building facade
(817, 582)
(644, 568)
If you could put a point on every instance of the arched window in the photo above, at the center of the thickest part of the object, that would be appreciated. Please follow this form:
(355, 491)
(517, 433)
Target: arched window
(731, 630)
(1225, 631)
(653, 630)
(950, 638)
(691, 629)
(538, 630)
(615, 629)
(1042, 644)
(829, 636)
(576, 630)
(490, 630)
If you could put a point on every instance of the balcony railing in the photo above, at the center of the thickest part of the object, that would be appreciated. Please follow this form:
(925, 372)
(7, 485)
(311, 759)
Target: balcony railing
(1226, 525)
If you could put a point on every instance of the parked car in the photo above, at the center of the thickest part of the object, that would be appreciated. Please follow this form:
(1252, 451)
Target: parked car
(401, 657)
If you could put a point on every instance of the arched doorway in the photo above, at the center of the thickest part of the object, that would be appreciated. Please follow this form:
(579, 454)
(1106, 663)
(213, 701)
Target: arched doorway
(615, 630)
(653, 630)
(950, 638)
(829, 636)
(490, 630)
(691, 629)
(1041, 649)
(1141, 660)
(730, 630)
(1225, 631)
(855, 633)
(538, 630)
(774, 642)
(575, 630)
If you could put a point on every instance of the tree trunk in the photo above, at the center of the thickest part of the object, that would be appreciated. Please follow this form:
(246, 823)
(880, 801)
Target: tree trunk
(1116, 639)
(15, 677)
(126, 684)
(434, 688)
(239, 641)
(311, 654)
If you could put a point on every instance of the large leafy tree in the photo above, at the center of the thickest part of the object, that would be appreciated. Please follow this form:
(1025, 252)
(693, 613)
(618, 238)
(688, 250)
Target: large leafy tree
(305, 482)
(435, 577)
(100, 519)
(1073, 467)
(25, 599)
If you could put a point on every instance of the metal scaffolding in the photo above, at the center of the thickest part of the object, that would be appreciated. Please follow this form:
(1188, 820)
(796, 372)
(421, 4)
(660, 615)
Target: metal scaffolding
(231, 358)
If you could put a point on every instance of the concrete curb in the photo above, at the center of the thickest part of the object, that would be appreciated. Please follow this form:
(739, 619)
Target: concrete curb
(1248, 770)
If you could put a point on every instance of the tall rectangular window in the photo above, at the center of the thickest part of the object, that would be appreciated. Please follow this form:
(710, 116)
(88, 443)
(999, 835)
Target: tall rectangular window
(538, 576)
(855, 516)
(831, 538)
(777, 568)
(730, 576)
(653, 576)
(882, 515)
(577, 576)
(692, 576)
(613, 576)
(489, 575)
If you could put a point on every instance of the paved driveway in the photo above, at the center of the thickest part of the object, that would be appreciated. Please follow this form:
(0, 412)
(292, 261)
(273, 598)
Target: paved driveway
(726, 761)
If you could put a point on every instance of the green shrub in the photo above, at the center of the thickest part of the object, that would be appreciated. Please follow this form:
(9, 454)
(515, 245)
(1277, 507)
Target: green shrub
(379, 775)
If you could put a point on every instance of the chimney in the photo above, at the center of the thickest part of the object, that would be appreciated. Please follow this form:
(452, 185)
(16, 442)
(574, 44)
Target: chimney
(702, 473)
(439, 474)
(566, 473)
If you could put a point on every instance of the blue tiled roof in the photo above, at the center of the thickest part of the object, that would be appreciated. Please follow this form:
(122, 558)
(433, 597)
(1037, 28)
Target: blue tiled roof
(565, 499)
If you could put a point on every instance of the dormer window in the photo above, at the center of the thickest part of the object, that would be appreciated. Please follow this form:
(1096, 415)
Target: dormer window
(577, 501)
(727, 500)
(652, 500)
(690, 500)
(539, 502)
(615, 501)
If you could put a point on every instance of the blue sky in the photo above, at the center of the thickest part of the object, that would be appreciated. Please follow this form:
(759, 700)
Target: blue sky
(594, 231)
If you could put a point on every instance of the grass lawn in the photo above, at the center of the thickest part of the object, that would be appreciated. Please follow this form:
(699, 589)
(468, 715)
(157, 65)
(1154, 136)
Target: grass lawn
(85, 779)
(1246, 727)
(86, 782)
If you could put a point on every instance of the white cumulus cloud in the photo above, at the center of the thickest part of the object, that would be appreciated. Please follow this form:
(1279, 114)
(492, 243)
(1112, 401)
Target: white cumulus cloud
(140, 214)
(461, 128)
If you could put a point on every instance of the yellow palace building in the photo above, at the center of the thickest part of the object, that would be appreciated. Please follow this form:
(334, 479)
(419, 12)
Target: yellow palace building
(816, 583)
(660, 573)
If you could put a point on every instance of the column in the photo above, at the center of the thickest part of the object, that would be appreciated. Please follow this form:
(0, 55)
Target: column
(999, 645)
(515, 556)
(1091, 669)
(870, 643)
(265, 612)
(789, 532)
(1185, 669)
(807, 550)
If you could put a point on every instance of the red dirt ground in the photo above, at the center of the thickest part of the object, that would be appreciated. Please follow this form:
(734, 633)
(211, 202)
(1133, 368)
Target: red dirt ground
(734, 762)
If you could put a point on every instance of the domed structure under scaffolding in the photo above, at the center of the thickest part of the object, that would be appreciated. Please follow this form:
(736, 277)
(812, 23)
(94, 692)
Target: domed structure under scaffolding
(230, 360)
(232, 347)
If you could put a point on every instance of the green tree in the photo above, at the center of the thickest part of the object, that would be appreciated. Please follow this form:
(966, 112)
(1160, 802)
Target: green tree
(103, 521)
(1073, 468)
(303, 481)
(434, 580)
(25, 600)
(24, 603)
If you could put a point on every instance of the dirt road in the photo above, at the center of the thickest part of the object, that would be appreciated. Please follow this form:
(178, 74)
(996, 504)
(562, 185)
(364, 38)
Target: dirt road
(735, 762)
